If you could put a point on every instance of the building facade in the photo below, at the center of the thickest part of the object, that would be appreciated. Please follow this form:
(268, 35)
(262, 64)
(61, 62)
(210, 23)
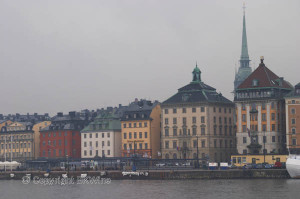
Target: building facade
(197, 122)
(244, 70)
(17, 142)
(36, 128)
(292, 102)
(260, 110)
(102, 137)
(62, 138)
(140, 127)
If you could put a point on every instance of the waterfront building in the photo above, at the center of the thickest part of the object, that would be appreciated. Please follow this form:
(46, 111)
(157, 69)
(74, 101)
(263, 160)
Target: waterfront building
(33, 118)
(36, 128)
(197, 122)
(102, 137)
(242, 159)
(292, 102)
(17, 141)
(62, 138)
(260, 111)
(244, 70)
(140, 127)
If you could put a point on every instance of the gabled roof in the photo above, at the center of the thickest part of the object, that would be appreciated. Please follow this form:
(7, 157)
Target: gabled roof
(265, 78)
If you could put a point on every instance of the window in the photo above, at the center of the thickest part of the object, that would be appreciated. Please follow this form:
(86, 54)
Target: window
(243, 107)
(294, 142)
(129, 125)
(215, 119)
(145, 124)
(91, 135)
(130, 135)
(293, 121)
(146, 135)
(166, 121)
(166, 132)
(244, 117)
(96, 135)
(194, 131)
(85, 153)
(195, 143)
(264, 139)
(140, 134)
(215, 130)
(293, 111)
(174, 120)
(184, 121)
(183, 110)
(203, 143)
(194, 120)
(174, 131)
(108, 143)
(125, 135)
(263, 117)
(220, 110)
(225, 110)
(97, 144)
(140, 124)
(202, 131)
(263, 106)
(102, 135)
(108, 135)
(202, 109)
(244, 128)
(125, 146)
(244, 140)
(91, 152)
(134, 125)
(174, 110)
(273, 138)
(293, 102)
(214, 109)
(264, 127)
(103, 143)
(135, 135)
(215, 143)
(146, 145)
(194, 110)
(293, 131)
(140, 145)
(255, 82)
(273, 116)
(124, 125)
(202, 119)
(91, 143)
(108, 152)
(273, 127)
(166, 144)
(220, 130)
(174, 144)
(166, 111)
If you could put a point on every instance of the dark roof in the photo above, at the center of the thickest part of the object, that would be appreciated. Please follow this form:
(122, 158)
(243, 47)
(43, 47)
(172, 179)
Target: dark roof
(197, 92)
(265, 78)
(139, 110)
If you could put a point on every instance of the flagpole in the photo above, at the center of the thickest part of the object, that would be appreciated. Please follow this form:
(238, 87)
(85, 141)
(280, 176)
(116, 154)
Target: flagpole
(5, 154)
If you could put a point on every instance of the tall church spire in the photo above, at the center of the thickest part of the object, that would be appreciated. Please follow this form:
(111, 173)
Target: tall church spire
(244, 55)
(244, 70)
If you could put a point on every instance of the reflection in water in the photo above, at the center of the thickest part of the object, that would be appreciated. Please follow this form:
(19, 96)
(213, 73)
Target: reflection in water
(245, 189)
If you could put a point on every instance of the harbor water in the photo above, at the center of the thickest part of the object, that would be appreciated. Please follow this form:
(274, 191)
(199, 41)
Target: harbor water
(144, 189)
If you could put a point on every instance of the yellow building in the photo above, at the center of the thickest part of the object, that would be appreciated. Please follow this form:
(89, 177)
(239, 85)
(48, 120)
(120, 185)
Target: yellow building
(17, 141)
(36, 128)
(241, 160)
(140, 127)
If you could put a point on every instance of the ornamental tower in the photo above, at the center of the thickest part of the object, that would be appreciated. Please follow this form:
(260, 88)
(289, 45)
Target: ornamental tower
(244, 70)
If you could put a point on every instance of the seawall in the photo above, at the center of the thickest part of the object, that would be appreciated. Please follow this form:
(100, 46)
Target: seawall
(158, 174)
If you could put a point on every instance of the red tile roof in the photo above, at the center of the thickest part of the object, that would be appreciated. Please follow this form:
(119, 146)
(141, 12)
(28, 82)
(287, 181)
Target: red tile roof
(265, 77)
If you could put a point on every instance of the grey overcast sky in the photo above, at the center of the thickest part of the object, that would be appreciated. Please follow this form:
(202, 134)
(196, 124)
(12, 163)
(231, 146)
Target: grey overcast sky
(59, 55)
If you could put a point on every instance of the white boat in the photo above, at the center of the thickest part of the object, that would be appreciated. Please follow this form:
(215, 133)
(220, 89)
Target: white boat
(293, 166)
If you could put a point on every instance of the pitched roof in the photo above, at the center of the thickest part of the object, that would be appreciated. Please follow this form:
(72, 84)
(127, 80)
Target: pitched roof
(196, 92)
(265, 78)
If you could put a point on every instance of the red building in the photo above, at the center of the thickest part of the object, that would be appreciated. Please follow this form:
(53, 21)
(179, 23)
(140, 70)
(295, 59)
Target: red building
(62, 138)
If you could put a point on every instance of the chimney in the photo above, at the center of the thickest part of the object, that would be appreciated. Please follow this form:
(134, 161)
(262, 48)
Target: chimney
(60, 114)
(72, 114)
(280, 81)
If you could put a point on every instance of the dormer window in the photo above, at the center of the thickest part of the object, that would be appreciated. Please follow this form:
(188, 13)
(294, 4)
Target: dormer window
(134, 115)
(255, 82)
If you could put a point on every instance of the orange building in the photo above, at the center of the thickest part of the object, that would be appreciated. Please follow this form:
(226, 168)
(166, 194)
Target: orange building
(141, 129)
(293, 120)
(260, 111)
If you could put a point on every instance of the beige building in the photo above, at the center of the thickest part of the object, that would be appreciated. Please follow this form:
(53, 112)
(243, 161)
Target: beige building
(36, 128)
(198, 122)
(102, 137)
(17, 141)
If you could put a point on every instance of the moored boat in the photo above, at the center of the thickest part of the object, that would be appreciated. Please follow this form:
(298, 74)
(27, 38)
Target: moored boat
(293, 166)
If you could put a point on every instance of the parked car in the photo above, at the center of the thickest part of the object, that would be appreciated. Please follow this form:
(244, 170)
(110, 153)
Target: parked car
(249, 166)
(160, 164)
(232, 166)
(267, 166)
(259, 166)
(186, 164)
(277, 165)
